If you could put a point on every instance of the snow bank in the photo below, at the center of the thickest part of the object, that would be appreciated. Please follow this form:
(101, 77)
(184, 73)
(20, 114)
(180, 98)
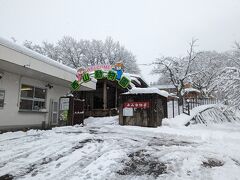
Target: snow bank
(216, 114)
(93, 121)
(205, 114)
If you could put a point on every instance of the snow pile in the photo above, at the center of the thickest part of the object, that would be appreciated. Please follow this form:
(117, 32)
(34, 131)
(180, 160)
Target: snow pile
(147, 91)
(205, 114)
(177, 121)
(93, 121)
(215, 114)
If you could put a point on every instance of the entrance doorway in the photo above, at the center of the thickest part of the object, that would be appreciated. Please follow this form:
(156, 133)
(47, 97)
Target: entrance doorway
(72, 110)
(78, 111)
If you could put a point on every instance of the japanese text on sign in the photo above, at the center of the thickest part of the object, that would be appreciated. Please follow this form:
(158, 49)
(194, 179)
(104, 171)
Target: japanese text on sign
(140, 105)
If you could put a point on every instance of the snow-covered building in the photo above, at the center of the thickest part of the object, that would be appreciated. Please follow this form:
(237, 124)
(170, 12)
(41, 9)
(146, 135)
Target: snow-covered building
(191, 93)
(30, 87)
(143, 107)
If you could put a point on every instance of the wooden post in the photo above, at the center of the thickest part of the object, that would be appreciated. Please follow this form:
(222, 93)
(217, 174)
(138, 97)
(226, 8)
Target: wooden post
(116, 97)
(104, 94)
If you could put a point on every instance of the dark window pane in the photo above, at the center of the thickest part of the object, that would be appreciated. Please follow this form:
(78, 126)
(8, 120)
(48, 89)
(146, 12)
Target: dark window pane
(2, 96)
(1, 103)
(38, 105)
(27, 91)
(26, 104)
(40, 93)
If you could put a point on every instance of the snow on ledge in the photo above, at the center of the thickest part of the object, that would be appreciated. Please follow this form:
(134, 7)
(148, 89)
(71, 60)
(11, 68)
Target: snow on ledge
(187, 90)
(148, 91)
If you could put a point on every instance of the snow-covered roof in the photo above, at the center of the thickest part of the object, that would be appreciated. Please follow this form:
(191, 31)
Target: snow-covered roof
(164, 86)
(140, 78)
(21, 49)
(188, 90)
(23, 61)
(147, 91)
(137, 78)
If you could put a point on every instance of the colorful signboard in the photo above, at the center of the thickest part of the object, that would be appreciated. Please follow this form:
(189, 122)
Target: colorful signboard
(100, 72)
(97, 67)
(138, 105)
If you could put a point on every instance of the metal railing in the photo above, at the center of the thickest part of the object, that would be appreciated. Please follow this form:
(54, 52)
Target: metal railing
(190, 103)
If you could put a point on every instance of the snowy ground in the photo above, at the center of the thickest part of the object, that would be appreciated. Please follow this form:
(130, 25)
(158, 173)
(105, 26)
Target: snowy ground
(104, 150)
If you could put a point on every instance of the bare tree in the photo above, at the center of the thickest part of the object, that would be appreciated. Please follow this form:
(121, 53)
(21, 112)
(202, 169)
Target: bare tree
(208, 64)
(228, 83)
(236, 55)
(83, 53)
(228, 80)
(178, 70)
(71, 52)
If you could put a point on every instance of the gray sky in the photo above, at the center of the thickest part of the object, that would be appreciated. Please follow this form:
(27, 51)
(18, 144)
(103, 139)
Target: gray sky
(149, 28)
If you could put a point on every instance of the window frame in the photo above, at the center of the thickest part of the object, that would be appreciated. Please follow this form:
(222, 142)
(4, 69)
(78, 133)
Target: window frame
(4, 95)
(33, 99)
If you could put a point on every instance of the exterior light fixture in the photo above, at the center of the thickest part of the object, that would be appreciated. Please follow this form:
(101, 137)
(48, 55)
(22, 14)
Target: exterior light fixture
(49, 86)
(1, 75)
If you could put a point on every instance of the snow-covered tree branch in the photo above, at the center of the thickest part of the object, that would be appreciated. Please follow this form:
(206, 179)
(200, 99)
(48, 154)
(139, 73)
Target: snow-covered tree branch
(83, 53)
(178, 70)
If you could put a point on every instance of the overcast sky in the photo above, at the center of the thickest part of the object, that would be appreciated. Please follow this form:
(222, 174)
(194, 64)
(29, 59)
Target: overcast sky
(149, 28)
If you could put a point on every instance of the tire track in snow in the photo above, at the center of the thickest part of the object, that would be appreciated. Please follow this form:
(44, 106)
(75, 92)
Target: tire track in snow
(23, 154)
(43, 147)
(86, 158)
(110, 141)
(51, 160)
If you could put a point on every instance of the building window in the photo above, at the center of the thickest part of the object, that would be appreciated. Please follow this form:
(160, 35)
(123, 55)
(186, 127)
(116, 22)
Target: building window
(32, 98)
(2, 97)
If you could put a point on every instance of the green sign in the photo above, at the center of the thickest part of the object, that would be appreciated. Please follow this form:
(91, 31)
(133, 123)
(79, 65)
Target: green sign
(86, 77)
(112, 75)
(75, 85)
(98, 74)
(124, 82)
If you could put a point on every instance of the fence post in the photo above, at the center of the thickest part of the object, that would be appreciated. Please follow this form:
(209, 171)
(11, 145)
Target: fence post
(183, 107)
(191, 103)
(173, 107)
(178, 107)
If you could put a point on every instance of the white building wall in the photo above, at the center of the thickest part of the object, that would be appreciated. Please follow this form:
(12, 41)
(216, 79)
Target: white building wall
(10, 117)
